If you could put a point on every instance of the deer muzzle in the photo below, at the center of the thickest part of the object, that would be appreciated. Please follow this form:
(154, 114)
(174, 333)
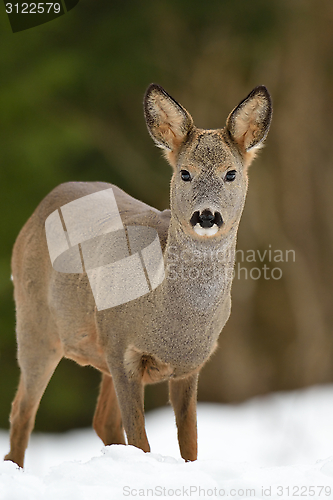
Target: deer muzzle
(206, 223)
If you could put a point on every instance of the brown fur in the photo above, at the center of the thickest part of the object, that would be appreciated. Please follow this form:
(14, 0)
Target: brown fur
(170, 332)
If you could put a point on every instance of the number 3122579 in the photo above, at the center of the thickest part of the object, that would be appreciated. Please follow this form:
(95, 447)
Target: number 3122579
(33, 8)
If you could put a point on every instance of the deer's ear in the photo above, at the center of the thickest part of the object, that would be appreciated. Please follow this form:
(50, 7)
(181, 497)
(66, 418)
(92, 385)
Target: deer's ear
(249, 122)
(168, 122)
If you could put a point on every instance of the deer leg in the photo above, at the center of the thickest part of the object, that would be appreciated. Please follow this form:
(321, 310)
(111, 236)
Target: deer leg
(36, 372)
(183, 396)
(107, 419)
(130, 393)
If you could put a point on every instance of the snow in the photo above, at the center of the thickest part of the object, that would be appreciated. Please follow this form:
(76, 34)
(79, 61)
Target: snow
(277, 447)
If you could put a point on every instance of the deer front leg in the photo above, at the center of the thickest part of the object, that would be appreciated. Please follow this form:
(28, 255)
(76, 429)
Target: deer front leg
(130, 394)
(183, 397)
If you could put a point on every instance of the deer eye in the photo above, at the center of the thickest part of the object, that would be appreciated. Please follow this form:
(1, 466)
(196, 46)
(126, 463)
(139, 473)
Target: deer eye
(230, 176)
(186, 176)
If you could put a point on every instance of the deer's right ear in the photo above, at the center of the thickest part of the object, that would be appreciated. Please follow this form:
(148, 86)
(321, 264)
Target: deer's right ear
(167, 121)
(249, 122)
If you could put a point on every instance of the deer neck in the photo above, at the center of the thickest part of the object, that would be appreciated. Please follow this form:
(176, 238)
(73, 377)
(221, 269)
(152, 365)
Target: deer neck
(198, 272)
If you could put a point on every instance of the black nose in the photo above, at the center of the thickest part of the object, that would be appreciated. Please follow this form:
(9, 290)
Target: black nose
(206, 219)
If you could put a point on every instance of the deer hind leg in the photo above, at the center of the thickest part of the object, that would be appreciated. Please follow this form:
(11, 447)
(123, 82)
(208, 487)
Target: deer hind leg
(107, 419)
(183, 396)
(37, 366)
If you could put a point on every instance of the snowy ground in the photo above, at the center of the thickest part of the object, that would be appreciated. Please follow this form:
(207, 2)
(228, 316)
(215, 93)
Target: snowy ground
(276, 447)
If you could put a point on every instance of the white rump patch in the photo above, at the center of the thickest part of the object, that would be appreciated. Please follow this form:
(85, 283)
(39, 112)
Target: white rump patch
(206, 231)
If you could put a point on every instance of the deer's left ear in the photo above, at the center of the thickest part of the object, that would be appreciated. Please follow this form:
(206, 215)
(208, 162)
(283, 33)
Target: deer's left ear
(249, 122)
(167, 121)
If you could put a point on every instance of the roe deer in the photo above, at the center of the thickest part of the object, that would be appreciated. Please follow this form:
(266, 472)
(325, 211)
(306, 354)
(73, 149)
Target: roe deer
(167, 330)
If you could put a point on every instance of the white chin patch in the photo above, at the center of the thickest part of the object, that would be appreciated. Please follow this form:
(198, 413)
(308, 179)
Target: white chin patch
(206, 231)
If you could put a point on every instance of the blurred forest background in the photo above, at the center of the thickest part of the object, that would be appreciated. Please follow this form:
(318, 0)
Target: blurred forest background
(71, 109)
